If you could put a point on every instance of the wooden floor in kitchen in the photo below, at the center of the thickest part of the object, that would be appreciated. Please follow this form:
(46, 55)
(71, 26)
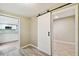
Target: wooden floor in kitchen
(31, 51)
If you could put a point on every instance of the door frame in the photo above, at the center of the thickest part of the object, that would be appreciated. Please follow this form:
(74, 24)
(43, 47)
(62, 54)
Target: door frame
(76, 6)
(16, 17)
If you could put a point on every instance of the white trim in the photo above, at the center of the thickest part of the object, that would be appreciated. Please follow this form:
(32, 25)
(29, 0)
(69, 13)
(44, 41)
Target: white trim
(26, 46)
(76, 29)
(29, 45)
(19, 31)
(7, 15)
(34, 46)
(65, 42)
(51, 34)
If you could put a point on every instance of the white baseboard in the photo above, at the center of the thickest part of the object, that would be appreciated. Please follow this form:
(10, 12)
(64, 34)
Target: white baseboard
(34, 47)
(65, 42)
(29, 45)
(26, 46)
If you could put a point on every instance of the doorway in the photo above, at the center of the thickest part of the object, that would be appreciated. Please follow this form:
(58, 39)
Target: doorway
(9, 35)
(63, 42)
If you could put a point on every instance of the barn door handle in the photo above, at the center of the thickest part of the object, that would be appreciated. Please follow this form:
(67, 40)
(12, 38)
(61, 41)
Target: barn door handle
(48, 33)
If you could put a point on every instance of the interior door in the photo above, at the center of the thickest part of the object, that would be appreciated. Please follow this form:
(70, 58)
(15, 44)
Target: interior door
(44, 33)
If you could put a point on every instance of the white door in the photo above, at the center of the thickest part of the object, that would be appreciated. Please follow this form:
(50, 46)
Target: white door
(44, 33)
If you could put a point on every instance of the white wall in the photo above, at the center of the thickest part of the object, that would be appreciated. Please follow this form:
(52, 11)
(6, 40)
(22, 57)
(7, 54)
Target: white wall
(24, 31)
(33, 31)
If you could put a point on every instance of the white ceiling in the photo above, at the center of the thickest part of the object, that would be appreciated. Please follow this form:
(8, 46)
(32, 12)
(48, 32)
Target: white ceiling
(27, 9)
